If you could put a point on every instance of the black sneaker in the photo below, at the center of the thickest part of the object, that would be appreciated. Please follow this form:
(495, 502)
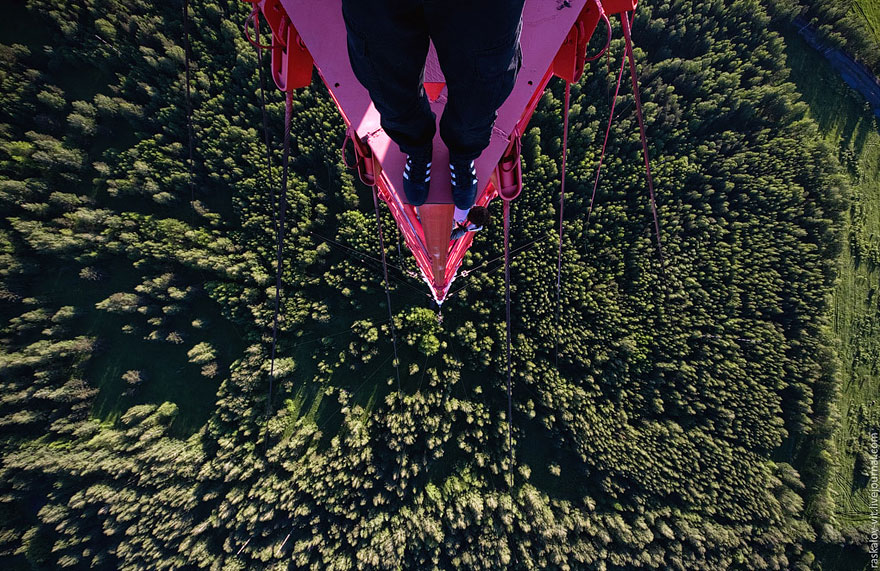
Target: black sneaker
(458, 230)
(464, 183)
(417, 178)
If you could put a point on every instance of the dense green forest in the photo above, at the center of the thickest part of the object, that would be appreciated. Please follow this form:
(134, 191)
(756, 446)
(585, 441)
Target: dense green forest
(692, 420)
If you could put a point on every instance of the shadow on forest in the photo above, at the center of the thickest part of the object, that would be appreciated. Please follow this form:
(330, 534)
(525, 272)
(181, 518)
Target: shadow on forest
(19, 25)
(170, 377)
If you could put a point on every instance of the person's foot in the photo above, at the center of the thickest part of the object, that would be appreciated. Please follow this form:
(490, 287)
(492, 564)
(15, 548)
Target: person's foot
(417, 177)
(464, 183)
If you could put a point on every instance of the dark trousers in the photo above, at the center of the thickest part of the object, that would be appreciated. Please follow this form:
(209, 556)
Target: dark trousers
(477, 43)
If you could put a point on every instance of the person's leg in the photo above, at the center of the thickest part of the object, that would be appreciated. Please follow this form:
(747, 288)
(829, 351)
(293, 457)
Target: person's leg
(387, 46)
(478, 49)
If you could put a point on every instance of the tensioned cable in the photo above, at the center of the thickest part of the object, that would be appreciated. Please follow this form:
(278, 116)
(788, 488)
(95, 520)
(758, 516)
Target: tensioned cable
(561, 222)
(524, 248)
(605, 143)
(266, 138)
(507, 304)
(353, 250)
(387, 289)
(368, 257)
(278, 218)
(399, 251)
(279, 260)
(635, 83)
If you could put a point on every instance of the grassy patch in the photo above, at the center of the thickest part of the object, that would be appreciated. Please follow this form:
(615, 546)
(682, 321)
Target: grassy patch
(846, 123)
(870, 11)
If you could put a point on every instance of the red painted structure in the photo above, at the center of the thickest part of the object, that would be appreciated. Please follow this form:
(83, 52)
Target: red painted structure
(554, 40)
